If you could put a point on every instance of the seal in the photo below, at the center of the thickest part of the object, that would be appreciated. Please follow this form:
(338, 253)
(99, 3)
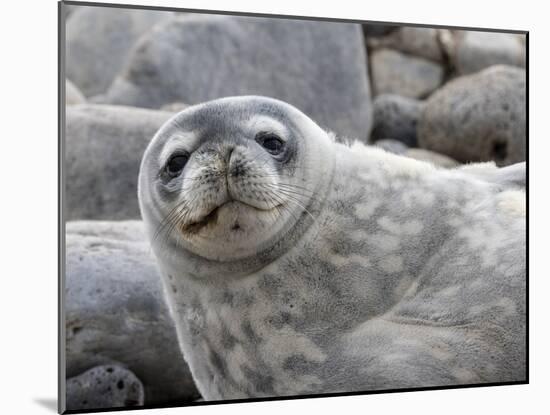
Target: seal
(294, 264)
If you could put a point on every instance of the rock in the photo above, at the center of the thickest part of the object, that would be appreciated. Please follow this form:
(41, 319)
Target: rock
(73, 95)
(107, 386)
(69, 9)
(319, 67)
(436, 159)
(395, 116)
(174, 107)
(391, 146)
(418, 41)
(397, 147)
(396, 73)
(377, 29)
(115, 309)
(470, 51)
(479, 117)
(98, 41)
(103, 149)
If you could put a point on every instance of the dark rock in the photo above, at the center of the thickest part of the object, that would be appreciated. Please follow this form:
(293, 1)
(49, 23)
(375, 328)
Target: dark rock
(396, 73)
(107, 386)
(319, 67)
(116, 312)
(377, 29)
(479, 117)
(396, 117)
(103, 149)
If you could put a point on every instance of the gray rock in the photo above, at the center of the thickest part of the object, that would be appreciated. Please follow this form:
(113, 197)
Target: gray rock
(103, 149)
(107, 386)
(377, 29)
(479, 117)
(392, 146)
(73, 96)
(174, 107)
(115, 309)
(320, 67)
(69, 9)
(396, 73)
(396, 117)
(418, 41)
(398, 147)
(436, 159)
(470, 51)
(98, 41)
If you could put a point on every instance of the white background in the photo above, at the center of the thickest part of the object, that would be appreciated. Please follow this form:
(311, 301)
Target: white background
(28, 200)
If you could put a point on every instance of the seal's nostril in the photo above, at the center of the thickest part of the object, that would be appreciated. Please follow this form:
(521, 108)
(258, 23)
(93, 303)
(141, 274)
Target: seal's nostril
(229, 152)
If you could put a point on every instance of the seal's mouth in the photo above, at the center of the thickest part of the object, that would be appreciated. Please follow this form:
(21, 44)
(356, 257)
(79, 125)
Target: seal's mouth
(211, 219)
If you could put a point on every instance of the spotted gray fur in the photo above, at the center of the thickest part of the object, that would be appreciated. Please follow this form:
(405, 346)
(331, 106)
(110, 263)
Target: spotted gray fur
(386, 273)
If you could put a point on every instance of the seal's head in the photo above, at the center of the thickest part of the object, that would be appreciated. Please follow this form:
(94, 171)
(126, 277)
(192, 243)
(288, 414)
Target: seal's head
(228, 180)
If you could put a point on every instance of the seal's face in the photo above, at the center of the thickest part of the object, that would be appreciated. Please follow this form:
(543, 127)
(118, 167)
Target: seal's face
(226, 179)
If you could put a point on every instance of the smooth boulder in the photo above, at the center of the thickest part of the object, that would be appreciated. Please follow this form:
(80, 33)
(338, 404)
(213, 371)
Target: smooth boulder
(115, 309)
(419, 41)
(479, 117)
(396, 117)
(102, 387)
(103, 149)
(319, 67)
(394, 72)
(99, 40)
(471, 51)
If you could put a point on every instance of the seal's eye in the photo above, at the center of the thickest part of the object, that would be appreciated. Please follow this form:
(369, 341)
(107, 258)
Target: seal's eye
(176, 164)
(271, 142)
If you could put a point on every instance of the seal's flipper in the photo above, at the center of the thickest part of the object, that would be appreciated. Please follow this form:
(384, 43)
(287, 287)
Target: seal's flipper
(514, 176)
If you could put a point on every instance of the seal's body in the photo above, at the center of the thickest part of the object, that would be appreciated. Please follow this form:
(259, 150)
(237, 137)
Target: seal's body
(294, 265)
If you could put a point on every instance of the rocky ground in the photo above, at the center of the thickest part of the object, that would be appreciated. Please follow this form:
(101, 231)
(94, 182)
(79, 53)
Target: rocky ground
(444, 96)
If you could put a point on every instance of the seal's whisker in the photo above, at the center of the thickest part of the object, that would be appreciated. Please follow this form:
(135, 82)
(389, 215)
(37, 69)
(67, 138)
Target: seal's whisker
(307, 192)
(282, 206)
(170, 221)
(289, 190)
(292, 199)
(299, 204)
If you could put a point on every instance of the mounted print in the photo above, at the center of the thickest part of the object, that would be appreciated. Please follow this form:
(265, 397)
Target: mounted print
(258, 207)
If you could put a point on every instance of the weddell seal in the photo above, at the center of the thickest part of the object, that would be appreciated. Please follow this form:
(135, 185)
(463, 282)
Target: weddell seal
(294, 264)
